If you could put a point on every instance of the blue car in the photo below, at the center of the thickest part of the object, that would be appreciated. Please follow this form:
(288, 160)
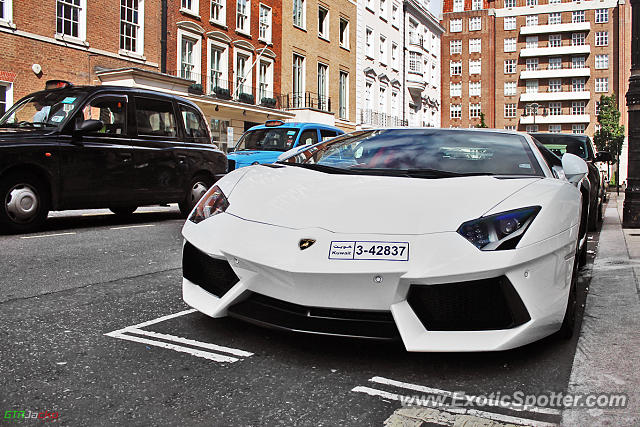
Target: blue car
(264, 143)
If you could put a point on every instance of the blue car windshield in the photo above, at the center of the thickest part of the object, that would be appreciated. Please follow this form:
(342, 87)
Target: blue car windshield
(268, 139)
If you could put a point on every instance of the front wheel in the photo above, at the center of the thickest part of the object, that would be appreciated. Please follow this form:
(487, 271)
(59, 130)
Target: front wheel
(197, 188)
(569, 322)
(25, 203)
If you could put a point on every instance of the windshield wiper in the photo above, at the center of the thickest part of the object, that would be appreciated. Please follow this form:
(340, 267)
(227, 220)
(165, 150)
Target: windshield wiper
(321, 168)
(436, 173)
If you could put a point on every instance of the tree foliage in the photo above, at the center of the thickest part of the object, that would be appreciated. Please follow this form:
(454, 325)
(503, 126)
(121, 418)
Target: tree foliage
(482, 124)
(610, 136)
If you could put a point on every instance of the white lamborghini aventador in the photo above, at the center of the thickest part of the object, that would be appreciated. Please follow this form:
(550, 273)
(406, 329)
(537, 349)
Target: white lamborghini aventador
(449, 239)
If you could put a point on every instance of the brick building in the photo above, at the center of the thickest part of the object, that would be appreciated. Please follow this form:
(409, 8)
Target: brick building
(72, 39)
(533, 65)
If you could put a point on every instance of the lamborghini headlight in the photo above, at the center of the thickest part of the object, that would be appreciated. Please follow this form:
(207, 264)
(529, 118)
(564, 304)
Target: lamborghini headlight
(212, 203)
(499, 231)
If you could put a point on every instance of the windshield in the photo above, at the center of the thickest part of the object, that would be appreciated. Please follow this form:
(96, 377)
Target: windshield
(42, 109)
(559, 144)
(269, 139)
(423, 153)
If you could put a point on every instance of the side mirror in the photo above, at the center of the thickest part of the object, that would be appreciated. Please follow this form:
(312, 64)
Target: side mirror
(87, 126)
(575, 169)
(604, 156)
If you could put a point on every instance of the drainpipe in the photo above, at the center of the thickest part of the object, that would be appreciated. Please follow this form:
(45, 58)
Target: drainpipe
(163, 37)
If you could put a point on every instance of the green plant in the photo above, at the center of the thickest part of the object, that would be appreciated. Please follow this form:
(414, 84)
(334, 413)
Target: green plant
(482, 124)
(268, 102)
(247, 98)
(222, 93)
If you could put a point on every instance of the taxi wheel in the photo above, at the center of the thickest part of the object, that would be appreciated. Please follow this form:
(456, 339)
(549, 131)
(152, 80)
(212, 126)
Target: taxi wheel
(25, 203)
(197, 187)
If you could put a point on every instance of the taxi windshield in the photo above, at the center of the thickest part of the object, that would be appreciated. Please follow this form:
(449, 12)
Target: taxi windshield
(42, 109)
(268, 139)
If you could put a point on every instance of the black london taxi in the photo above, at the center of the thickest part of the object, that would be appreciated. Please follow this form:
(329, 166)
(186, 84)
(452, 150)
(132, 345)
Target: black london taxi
(80, 147)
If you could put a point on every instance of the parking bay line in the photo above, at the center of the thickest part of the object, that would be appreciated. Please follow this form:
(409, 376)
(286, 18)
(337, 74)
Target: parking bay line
(48, 235)
(132, 226)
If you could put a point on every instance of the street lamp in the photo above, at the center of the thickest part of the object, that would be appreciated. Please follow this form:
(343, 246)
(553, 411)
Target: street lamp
(532, 109)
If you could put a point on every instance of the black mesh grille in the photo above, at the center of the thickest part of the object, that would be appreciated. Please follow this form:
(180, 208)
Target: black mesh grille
(213, 275)
(468, 306)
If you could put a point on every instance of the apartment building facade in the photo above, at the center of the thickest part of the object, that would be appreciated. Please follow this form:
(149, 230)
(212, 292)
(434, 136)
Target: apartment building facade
(552, 60)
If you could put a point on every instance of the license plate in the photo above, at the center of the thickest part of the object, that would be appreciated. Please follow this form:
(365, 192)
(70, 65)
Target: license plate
(365, 250)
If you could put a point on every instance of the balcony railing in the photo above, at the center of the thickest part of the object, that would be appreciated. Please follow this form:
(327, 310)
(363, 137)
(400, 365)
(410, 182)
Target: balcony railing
(416, 39)
(375, 118)
(305, 100)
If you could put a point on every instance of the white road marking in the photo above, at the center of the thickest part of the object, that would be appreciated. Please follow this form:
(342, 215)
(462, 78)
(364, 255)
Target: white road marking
(188, 341)
(132, 226)
(468, 398)
(162, 319)
(48, 235)
(474, 412)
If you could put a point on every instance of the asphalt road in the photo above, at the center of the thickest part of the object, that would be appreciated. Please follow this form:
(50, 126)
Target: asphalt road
(90, 273)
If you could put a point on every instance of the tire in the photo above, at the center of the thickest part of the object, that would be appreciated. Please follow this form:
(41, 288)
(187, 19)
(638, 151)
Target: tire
(592, 224)
(197, 187)
(569, 321)
(25, 203)
(123, 211)
(601, 211)
(582, 256)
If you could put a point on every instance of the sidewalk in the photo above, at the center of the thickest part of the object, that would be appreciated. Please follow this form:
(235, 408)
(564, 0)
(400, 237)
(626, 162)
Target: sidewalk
(607, 359)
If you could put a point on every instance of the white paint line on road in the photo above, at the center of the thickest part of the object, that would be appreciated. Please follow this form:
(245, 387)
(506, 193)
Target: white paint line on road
(467, 398)
(444, 407)
(181, 340)
(48, 235)
(132, 226)
(160, 319)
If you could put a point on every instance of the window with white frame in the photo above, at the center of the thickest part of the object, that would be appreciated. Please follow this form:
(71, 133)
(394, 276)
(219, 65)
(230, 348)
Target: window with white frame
(555, 18)
(455, 89)
(476, 4)
(510, 23)
(323, 79)
(395, 16)
(264, 32)
(455, 111)
(369, 42)
(555, 40)
(602, 16)
(510, 127)
(455, 25)
(577, 16)
(343, 95)
(509, 3)
(218, 68)
(368, 101)
(6, 96)
(532, 86)
(577, 85)
(131, 21)
(510, 44)
(509, 110)
(602, 84)
(458, 5)
(532, 2)
(243, 72)
(5, 16)
(455, 68)
(531, 20)
(383, 50)
(299, 13)
(243, 10)
(475, 45)
(475, 23)
(578, 62)
(532, 64)
(475, 66)
(532, 128)
(555, 85)
(383, 9)
(577, 108)
(555, 63)
(555, 108)
(532, 42)
(555, 128)
(395, 60)
(455, 47)
(189, 55)
(510, 66)
(323, 22)
(578, 128)
(265, 81)
(344, 33)
(71, 18)
(190, 6)
(382, 99)
(475, 88)
(474, 111)
(577, 39)
(217, 12)
(298, 81)
(602, 62)
(395, 111)
(510, 88)
(597, 108)
(415, 64)
(602, 38)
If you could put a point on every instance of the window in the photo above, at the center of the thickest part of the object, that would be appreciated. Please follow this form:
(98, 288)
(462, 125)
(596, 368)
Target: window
(218, 14)
(509, 88)
(509, 3)
(383, 50)
(111, 110)
(602, 84)
(555, 108)
(344, 33)
(578, 62)
(476, 4)
(474, 111)
(532, 2)
(531, 20)
(242, 16)
(298, 81)
(577, 85)
(343, 95)
(555, 128)
(475, 23)
(383, 9)
(475, 66)
(475, 88)
(455, 68)
(394, 104)
(217, 67)
(265, 82)
(308, 137)
(510, 66)
(532, 128)
(555, 18)
(130, 25)
(190, 6)
(243, 73)
(602, 62)
(577, 39)
(368, 101)
(395, 19)
(382, 99)
(6, 96)
(190, 58)
(155, 118)
(510, 23)
(602, 16)
(532, 64)
(577, 16)
(510, 45)
(455, 111)
(70, 18)
(323, 99)
(194, 125)
(509, 110)
(578, 128)
(602, 38)
(5, 16)
(455, 46)
(475, 45)
(415, 64)
(555, 63)
(555, 85)
(455, 89)
(458, 5)
(299, 13)
(597, 108)
(455, 25)
(555, 40)
(264, 32)
(369, 42)
(323, 23)
(532, 42)
(510, 127)
(394, 56)
(532, 86)
(577, 107)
